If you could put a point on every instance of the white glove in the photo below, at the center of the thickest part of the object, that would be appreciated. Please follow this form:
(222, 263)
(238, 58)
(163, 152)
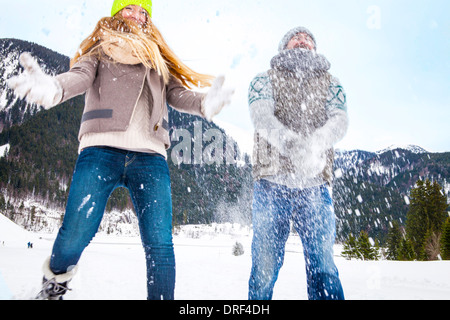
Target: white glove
(311, 160)
(34, 85)
(216, 98)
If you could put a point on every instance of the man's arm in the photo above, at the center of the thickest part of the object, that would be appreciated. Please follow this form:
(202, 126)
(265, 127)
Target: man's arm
(336, 126)
(266, 124)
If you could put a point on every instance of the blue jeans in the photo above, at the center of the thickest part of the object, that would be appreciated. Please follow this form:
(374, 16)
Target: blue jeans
(312, 213)
(98, 172)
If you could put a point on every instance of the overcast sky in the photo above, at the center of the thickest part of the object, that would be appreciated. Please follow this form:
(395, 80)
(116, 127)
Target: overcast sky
(392, 57)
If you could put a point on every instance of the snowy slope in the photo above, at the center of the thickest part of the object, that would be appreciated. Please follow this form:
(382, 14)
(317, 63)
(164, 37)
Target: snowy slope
(114, 269)
(4, 150)
(8, 64)
(409, 147)
(12, 233)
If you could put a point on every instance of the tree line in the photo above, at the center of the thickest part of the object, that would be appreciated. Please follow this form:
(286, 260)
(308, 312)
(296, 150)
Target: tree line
(425, 237)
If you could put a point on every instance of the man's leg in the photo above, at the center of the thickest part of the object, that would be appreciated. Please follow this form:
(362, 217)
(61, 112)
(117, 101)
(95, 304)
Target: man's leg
(271, 226)
(314, 220)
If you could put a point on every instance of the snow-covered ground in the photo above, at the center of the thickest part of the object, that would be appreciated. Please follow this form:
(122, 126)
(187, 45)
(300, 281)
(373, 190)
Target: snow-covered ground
(4, 150)
(113, 268)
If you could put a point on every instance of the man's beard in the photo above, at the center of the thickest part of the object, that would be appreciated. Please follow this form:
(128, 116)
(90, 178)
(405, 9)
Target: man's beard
(302, 46)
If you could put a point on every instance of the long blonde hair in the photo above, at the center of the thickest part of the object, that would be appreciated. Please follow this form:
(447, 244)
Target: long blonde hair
(149, 45)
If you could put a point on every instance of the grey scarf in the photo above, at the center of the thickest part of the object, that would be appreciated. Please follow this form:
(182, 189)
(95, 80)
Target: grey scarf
(299, 60)
(300, 82)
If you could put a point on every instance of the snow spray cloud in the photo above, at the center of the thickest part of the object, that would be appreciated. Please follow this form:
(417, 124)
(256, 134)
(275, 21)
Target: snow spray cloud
(213, 146)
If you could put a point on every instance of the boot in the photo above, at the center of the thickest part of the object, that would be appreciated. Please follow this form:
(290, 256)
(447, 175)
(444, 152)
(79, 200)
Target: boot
(54, 287)
(52, 290)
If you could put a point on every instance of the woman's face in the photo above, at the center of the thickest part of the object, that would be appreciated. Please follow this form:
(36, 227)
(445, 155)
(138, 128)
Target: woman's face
(135, 13)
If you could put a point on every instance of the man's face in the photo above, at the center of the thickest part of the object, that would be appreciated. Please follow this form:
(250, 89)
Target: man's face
(301, 40)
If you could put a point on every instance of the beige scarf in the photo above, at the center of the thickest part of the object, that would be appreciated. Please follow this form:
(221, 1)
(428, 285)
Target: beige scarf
(121, 50)
(129, 48)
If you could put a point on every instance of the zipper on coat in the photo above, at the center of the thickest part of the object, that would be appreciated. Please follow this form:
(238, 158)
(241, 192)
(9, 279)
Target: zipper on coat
(138, 98)
(161, 109)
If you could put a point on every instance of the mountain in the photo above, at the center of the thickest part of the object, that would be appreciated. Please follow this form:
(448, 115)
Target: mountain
(372, 188)
(412, 148)
(214, 184)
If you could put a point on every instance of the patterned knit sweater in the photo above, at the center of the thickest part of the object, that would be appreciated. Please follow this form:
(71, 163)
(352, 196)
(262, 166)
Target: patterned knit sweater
(308, 154)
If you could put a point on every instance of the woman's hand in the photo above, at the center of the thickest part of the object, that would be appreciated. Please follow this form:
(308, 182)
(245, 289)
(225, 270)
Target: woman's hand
(34, 85)
(216, 98)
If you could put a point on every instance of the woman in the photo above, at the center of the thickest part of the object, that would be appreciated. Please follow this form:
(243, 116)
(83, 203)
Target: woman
(128, 73)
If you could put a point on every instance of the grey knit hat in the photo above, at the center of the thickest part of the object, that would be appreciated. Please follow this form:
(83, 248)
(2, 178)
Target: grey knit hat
(284, 42)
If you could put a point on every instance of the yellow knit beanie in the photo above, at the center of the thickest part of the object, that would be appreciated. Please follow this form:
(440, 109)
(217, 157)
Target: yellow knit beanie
(120, 4)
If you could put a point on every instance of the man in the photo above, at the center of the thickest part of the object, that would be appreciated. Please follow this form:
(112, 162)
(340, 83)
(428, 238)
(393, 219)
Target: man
(299, 112)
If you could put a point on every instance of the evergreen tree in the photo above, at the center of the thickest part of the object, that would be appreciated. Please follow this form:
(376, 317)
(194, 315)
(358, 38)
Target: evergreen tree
(406, 251)
(360, 248)
(427, 213)
(350, 248)
(365, 248)
(394, 240)
(445, 241)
